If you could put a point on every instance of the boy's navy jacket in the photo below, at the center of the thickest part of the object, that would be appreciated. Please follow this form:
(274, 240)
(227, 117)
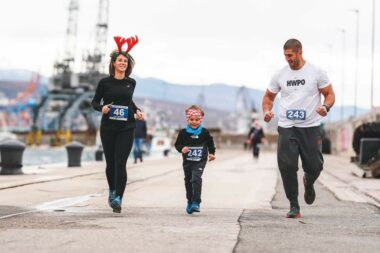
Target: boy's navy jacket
(199, 145)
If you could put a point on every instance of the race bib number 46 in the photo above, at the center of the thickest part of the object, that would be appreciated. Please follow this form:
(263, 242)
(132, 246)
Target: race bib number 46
(194, 154)
(296, 114)
(118, 112)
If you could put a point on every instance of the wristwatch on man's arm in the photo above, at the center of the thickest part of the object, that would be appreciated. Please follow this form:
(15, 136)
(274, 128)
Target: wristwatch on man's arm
(327, 107)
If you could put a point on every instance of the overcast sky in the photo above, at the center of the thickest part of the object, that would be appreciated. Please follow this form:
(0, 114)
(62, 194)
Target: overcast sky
(237, 42)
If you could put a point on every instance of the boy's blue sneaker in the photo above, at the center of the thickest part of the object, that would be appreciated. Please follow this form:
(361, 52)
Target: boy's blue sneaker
(195, 207)
(188, 208)
(111, 197)
(116, 204)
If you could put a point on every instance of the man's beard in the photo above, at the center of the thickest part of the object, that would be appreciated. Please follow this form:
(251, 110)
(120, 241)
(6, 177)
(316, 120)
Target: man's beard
(295, 64)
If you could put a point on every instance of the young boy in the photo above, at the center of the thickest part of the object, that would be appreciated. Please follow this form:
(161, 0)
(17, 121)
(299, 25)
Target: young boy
(196, 145)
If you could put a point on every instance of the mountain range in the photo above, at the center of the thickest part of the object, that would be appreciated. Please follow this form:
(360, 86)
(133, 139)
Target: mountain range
(216, 96)
(220, 97)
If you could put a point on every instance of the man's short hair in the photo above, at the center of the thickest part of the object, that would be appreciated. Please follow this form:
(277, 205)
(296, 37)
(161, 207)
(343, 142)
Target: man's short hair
(293, 44)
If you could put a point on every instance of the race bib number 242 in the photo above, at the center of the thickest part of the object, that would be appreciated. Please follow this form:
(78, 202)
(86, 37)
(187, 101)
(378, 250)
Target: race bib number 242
(194, 154)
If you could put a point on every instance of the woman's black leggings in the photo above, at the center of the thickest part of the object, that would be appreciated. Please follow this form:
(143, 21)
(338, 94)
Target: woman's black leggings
(117, 145)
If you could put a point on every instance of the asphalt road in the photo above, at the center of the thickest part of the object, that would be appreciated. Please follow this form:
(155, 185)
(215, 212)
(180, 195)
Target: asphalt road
(243, 210)
(326, 226)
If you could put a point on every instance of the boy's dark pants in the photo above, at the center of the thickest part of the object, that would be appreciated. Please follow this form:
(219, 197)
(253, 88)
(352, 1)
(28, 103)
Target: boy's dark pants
(193, 180)
(292, 143)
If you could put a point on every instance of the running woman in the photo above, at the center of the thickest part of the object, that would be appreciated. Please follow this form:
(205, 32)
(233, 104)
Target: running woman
(113, 98)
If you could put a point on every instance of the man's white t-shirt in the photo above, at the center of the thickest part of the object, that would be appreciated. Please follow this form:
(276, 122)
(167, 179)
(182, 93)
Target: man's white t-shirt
(300, 95)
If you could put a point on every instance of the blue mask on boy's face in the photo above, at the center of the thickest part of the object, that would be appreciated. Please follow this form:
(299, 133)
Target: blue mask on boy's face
(196, 131)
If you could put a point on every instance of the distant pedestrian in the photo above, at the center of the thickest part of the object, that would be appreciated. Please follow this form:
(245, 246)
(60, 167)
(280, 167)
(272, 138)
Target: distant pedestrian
(255, 138)
(301, 85)
(197, 146)
(140, 137)
(118, 120)
(148, 143)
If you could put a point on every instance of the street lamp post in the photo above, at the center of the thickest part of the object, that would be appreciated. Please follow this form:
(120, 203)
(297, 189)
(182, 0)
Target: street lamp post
(356, 61)
(343, 31)
(329, 70)
(373, 50)
(329, 46)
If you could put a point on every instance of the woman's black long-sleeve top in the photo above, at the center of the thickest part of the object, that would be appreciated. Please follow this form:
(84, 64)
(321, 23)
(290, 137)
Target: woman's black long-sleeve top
(117, 92)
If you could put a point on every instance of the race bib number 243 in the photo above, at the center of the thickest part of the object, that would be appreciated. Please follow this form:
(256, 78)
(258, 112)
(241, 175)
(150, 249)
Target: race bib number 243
(296, 114)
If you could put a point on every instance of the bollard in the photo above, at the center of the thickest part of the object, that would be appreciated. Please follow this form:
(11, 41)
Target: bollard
(368, 149)
(74, 154)
(99, 154)
(11, 157)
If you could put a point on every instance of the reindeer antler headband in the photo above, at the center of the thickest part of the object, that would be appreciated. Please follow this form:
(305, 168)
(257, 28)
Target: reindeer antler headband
(120, 41)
